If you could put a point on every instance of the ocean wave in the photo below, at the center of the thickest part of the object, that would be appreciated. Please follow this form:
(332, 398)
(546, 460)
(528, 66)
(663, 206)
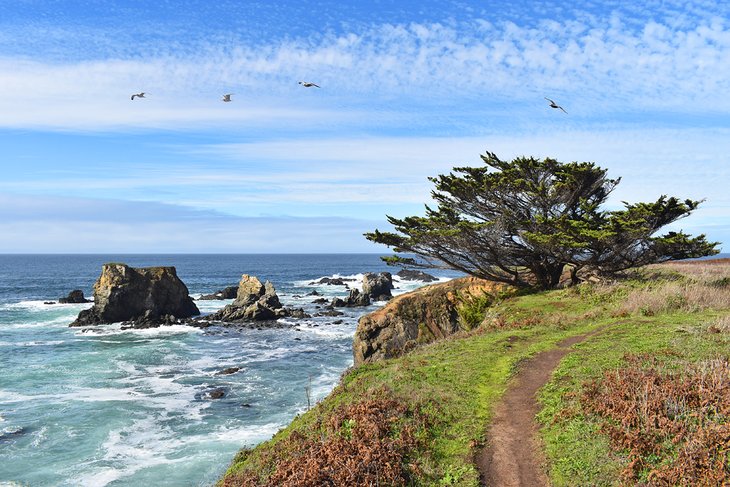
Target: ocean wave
(31, 343)
(116, 329)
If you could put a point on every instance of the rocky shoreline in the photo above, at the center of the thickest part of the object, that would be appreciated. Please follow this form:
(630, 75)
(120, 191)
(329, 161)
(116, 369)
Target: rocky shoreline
(155, 296)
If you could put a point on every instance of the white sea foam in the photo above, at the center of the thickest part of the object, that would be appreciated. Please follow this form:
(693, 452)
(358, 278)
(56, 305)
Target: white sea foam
(143, 444)
(31, 343)
(116, 329)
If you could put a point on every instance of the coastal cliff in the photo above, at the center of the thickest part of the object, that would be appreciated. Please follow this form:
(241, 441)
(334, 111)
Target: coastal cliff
(415, 318)
(149, 295)
(423, 418)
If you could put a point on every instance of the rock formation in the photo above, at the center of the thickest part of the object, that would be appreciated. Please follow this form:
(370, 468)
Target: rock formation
(355, 298)
(148, 296)
(74, 297)
(254, 302)
(411, 319)
(226, 293)
(409, 275)
(378, 286)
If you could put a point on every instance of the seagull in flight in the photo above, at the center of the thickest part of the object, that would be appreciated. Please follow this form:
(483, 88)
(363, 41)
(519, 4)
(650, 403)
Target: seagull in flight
(227, 97)
(138, 95)
(307, 84)
(555, 105)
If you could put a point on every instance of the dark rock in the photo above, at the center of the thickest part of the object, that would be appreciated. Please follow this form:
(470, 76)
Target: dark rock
(378, 286)
(245, 405)
(338, 322)
(141, 295)
(226, 293)
(320, 301)
(409, 275)
(228, 371)
(355, 298)
(75, 296)
(333, 281)
(330, 312)
(313, 293)
(297, 313)
(49, 302)
(217, 393)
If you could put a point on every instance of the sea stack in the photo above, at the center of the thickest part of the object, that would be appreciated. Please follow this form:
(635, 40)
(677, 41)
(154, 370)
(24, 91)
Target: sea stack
(254, 302)
(151, 295)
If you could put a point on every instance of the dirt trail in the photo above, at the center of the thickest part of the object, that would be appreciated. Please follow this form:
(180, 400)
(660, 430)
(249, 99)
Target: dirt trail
(513, 455)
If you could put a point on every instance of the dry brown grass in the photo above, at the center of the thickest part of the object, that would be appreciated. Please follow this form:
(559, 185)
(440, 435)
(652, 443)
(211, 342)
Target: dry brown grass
(675, 426)
(368, 443)
(666, 296)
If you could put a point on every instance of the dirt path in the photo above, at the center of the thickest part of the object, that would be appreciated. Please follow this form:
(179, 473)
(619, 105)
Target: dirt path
(513, 455)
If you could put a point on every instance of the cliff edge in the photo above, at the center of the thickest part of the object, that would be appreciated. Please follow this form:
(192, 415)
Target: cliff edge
(422, 316)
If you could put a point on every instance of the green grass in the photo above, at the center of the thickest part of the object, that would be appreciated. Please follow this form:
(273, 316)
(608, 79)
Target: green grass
(458, 381)
(577, 451)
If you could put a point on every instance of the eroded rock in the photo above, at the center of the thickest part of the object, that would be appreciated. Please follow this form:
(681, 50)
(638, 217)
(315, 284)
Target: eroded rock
(152, 295)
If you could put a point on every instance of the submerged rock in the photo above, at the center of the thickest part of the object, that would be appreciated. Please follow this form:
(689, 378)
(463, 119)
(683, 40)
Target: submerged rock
(74, 297)
(143, 296)
(228, 371)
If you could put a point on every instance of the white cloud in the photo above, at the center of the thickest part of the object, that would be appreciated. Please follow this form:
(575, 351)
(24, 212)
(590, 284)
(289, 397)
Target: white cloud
(601, 66)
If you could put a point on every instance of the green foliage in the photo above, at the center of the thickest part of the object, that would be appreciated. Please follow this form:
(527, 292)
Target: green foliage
(522, 222)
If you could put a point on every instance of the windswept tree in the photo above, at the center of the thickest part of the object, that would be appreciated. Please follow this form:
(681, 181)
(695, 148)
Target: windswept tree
(527, 221)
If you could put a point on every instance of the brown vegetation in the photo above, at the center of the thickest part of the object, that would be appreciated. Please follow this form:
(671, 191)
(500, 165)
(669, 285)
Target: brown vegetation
(368, 443)
(674, 425)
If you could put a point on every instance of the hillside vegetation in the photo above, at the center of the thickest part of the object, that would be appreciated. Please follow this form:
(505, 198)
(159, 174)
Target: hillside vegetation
(646, 399)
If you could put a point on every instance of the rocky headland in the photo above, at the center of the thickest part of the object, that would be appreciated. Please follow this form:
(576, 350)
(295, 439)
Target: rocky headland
(141, 297)
(422, 316)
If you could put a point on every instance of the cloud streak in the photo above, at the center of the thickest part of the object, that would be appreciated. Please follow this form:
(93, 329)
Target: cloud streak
(601, 64)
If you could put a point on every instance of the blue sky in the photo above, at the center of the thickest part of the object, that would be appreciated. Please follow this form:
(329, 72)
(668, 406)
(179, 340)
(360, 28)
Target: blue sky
(408, 90)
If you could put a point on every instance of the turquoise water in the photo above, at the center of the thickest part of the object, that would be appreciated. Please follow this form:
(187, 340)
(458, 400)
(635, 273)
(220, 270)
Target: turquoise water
(105, 406)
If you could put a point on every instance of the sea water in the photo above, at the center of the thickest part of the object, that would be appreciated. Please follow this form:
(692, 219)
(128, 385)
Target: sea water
(104, 406)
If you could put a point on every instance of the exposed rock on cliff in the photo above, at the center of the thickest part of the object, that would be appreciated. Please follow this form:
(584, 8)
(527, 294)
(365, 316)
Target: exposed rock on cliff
(418, 317)
(74, 297)
(148, 296)
(409, 275)
(254, 302)
(378, 286)
(226, 293)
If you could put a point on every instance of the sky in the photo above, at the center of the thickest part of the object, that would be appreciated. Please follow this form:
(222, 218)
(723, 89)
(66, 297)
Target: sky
(408, 90)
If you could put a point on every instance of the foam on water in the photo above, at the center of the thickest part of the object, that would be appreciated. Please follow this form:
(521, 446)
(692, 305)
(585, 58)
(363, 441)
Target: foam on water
(102, 405)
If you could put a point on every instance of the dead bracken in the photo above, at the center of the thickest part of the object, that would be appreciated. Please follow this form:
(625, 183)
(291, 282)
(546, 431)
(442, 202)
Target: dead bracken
(675, 425)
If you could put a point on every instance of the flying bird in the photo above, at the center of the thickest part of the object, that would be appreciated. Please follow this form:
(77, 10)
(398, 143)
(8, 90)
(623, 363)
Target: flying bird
(227, 97)
(307, 84)
(138, 95)
(555, 105)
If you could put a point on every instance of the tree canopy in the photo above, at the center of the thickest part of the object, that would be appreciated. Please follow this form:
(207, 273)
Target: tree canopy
(524, 222)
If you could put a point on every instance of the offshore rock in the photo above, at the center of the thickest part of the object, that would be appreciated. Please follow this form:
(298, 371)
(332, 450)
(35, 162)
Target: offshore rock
(378, 286)
(254, 302)
(409, 275)
(74, 297)
(226, 293)
(422, 316)
(149, 296)
(355, 298)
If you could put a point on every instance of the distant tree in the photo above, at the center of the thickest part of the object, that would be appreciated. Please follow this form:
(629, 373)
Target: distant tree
(526, 221)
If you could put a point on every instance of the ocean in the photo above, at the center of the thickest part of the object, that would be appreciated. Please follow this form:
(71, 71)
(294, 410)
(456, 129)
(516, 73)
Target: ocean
(110, 407)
